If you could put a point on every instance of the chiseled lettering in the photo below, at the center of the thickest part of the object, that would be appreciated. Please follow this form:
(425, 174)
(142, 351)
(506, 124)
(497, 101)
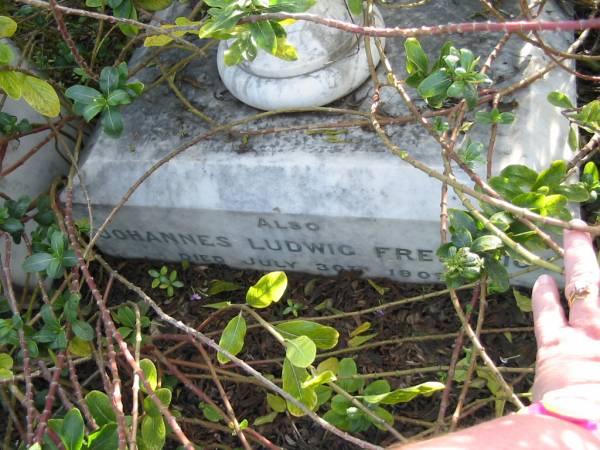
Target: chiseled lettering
(205, 240)
(186, 239)
(134, 235)
(425, 255)
(400, 252)
(166, 237)
(119, 234)
(223, 241)
(151, 237)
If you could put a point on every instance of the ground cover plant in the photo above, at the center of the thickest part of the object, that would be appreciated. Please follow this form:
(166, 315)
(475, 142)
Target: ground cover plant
(98, 353)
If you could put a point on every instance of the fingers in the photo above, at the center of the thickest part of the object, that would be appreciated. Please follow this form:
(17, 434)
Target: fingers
(548, 315)
(582, 278)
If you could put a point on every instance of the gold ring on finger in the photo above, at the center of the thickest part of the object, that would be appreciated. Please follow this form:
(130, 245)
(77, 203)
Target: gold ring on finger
(579, 291)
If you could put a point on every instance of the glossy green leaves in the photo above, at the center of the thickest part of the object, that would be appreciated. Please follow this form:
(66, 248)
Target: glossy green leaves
(116, 91)
(232, 338)
(292, 378)
(268, 289)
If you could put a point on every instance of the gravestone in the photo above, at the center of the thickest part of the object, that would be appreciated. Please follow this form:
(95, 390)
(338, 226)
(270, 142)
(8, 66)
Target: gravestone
(298, 200)
(35, 175)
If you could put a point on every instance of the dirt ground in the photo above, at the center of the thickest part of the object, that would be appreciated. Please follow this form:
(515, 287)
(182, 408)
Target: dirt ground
(420, 321)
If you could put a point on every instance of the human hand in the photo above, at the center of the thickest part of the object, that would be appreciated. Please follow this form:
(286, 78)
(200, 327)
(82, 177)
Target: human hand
(568, 357)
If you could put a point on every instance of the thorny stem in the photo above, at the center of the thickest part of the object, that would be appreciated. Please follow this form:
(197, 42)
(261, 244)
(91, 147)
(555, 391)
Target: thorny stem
(115, 386)
(111, 329)
(481, 351)
(242, 364)
(136, 379)
(12, 301)
(43, 420)
(172, 368)
(472, 364)
(223, 394)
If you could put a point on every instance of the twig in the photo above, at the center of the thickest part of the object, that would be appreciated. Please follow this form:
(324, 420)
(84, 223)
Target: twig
(136, 380)
(43, 420)
(64, 32)
(236, 426)
(115, 386)
(111, 329)
(246, 367)
(12, 301)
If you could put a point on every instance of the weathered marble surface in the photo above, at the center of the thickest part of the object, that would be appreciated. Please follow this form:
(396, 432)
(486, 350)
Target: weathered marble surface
(35, 176)
(330, 65)
(296, 200)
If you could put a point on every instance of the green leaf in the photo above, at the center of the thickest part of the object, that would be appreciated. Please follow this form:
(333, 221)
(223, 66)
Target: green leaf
(126, 316)
(346, 369)
(219, 286)
(486, 243)
(573, 139)
(552, 176)
(40, 95)
(153, 5)
(498, 276)
(11, 83)
(218, 305)
(106, 438)
(404, 395)
(164, 395)
(559, 99)
(323, 395)
(72, 430)
(5, 374)
(6, 362)
(324, 337)
(83, 330)
(591, 175)
(109, 79)
(355, 7)
(292, 378)
(436, 84)
(375, 389)
(523, 302)
(83, 94)
(209, 412)
(323, 378)
(417, 62)
(100, 407)
(37, 262)
(232, 338)
(267, 418)
(576, 192)
(301, 351)
(276, 402)
(365, 326)
(118, 97)
(331, 364)
(55, 269)
(460, 219)
(382, 414)
(12, 225)
(6, 54)
(112, 121)
(357, 341)
(79, 347)
(268, 289)
(264, 36)
(150, 373)
(153, 433)
(520, 174)
(8, 27)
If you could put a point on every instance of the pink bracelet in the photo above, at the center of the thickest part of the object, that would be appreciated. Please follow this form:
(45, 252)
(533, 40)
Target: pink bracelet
(553, 411)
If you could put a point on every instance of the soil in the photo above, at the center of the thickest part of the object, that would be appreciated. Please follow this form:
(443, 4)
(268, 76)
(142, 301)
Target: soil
(347, 292)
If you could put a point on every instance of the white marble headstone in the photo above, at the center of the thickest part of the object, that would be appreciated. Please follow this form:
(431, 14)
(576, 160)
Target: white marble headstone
(301, 201)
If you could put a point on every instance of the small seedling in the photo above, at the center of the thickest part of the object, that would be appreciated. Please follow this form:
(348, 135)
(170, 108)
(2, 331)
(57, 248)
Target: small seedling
(292, 307)
(164, 280)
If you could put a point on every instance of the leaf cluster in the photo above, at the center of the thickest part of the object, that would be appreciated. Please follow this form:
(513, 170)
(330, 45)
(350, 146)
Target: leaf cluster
(453, 75)
(38, 94)
(164, 280)
(115, 91)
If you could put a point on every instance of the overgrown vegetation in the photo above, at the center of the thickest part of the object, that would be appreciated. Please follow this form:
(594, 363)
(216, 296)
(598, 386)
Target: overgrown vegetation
(88, 358)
